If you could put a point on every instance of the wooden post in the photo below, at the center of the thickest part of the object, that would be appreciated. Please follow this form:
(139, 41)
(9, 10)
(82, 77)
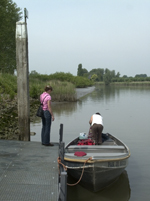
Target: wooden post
(22, 81)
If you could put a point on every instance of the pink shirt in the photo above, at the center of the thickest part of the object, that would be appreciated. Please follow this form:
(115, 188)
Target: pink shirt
(47, 98)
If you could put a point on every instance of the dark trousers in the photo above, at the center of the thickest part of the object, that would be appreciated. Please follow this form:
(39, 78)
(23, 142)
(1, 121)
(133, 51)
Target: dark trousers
(46, 127)
(97, 133)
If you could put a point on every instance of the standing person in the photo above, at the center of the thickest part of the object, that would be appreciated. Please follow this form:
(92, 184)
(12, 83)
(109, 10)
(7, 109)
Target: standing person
(47, 117)
(96, 122)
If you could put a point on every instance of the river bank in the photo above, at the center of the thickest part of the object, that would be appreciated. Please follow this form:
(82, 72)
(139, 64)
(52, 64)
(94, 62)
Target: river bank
(9, 114)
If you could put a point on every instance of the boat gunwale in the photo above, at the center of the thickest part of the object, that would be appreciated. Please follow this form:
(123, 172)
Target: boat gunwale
(96, 160)
(99, 160)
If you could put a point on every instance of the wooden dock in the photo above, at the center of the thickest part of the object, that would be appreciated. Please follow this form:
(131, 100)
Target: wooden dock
(28, 171)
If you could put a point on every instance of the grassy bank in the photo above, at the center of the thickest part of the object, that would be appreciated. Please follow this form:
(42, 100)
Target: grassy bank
(63, 84)
(8, 86)
(62, 91)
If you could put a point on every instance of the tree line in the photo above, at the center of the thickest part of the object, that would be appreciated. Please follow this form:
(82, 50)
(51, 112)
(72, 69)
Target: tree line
(107, 76)
(78, 81)
(9, 15)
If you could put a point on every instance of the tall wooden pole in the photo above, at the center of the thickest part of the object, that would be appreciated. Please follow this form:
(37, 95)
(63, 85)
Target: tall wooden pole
(23, 81)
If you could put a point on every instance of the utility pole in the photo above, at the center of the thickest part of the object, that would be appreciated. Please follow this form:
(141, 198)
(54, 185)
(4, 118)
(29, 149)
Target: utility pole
(23, 79)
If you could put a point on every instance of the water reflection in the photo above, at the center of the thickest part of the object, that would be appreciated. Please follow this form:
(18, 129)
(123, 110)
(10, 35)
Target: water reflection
(113, 92)
(59, 109)
(64, 108)
(100, 94)
(103, 93)
(118, 191)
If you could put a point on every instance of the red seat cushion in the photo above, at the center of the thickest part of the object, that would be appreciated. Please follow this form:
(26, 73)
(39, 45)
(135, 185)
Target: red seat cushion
(86, 142)
(80, 153)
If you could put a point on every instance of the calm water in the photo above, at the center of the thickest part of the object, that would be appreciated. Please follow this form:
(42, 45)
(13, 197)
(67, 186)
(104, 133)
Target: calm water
(126, 114)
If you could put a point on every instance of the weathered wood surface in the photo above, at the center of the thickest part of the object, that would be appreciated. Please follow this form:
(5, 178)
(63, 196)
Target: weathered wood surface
(23, 81)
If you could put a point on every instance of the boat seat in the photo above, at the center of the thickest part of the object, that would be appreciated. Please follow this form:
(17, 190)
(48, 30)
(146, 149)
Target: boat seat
(97, 155)
(109, 142)
(95, 147)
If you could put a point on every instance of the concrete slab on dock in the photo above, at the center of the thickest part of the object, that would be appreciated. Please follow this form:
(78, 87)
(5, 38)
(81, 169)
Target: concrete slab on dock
(28, 171)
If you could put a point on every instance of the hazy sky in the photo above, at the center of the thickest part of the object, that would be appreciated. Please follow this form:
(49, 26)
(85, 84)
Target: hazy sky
(113, 34)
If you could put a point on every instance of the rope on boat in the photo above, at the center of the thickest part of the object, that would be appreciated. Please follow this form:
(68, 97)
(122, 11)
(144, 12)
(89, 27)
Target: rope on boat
(87, 166)
(60, 163)
(65, 167)
(81, 173)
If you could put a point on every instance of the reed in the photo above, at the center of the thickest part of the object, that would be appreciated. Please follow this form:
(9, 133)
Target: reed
(8, 85)
(62, 91)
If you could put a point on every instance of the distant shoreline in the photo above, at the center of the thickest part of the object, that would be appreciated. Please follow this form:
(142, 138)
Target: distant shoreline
(80, 93)
(136, 83)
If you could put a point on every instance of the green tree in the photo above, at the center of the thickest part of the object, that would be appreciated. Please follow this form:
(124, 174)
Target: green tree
(84, 71)
(9, 15)
(118, 75)
(107, 76)
(79, 72)
(94, 77)
(141, 75)
(99, 72)
(113, 74)
(33, 72)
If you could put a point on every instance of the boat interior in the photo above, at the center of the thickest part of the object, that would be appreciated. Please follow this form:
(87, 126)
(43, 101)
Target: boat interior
(109, 145)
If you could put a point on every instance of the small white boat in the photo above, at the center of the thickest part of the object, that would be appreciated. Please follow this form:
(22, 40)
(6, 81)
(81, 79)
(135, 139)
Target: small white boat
(102, 164)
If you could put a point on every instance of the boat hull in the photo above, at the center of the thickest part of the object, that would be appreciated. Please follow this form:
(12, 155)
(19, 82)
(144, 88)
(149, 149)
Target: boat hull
(117, 191)
(101, 164)
(97, 176)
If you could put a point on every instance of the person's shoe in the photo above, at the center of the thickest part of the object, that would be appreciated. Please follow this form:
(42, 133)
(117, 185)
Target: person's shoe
(48, 144)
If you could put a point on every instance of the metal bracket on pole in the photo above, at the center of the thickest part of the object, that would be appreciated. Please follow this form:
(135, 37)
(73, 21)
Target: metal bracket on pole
(25, 14)
(61, 133)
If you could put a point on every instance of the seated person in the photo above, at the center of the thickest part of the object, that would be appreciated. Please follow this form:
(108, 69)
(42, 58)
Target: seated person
(96, 122)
